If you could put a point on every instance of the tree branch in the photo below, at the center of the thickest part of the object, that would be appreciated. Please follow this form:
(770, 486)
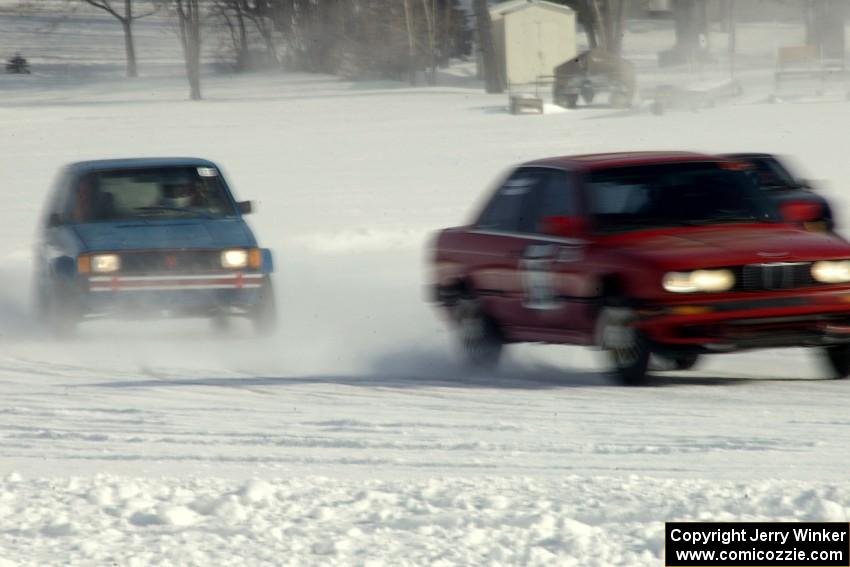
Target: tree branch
(104, 5)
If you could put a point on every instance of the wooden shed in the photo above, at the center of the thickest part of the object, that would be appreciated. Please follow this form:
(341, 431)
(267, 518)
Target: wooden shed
(532, 37)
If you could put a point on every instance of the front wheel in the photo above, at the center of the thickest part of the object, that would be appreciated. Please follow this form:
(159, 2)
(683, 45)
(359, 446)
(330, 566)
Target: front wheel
(264, 313)
(678, 361)
(626, 347)
(481, 344)
(838, 360)
(58, 309)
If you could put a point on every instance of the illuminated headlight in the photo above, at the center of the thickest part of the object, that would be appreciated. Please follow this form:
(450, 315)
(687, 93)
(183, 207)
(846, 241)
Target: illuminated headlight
(831, 271)
(234, 259)
(105, 263)
(698, 280)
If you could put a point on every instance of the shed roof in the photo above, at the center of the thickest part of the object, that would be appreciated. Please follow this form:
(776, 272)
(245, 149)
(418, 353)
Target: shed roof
(504, 8)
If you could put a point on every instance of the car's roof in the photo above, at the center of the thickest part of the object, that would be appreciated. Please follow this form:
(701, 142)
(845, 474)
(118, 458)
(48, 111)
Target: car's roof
(139, 163)
(621, 159)
(750, 155)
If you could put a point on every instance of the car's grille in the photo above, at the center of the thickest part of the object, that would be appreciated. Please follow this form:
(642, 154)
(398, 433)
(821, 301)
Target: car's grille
(171, 261)
(775, 275)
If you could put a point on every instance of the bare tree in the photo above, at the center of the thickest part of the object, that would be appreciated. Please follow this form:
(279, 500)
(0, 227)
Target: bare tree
(127, 17)
(493, 79)
(236, 14)
(825, 27)
(189, 21)
(429, 8)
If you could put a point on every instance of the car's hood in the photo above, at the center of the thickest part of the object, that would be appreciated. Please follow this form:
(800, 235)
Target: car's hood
(730, 246)
(193, 233)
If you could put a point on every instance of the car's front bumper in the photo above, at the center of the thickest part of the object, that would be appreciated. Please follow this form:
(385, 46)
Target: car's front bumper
(169, 294)
(784, 319)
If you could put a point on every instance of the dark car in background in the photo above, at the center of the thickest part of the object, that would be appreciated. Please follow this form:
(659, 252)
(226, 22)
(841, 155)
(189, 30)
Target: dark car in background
(147, 238)
(774, 177)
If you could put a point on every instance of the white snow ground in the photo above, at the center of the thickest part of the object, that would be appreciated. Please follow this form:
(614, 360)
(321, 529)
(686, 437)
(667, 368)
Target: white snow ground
(352, 437)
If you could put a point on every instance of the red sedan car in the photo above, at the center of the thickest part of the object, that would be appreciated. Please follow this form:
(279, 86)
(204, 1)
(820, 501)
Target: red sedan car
(643, 254)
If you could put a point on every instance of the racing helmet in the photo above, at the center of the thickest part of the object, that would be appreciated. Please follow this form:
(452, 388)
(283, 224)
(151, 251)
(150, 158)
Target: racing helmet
(178, 194)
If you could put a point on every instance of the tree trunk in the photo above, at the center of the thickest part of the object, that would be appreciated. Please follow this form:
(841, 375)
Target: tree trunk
(130, 48)
(242, 56)
(429, 8)
(691, 23)
(825, 27)
(492, 69)
(129, 44)
(411, 42)
(188, 12)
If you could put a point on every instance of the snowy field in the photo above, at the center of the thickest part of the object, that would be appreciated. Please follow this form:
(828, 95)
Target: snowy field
(352, 437)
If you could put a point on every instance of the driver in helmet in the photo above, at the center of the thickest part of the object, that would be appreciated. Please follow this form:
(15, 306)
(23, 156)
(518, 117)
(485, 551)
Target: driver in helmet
(180, 195)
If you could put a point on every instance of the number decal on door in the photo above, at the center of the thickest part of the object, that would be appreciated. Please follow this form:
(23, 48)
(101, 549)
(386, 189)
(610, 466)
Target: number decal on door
(538, 278)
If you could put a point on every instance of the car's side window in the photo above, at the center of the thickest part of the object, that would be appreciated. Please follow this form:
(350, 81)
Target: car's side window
(553, 197)
(509, 210)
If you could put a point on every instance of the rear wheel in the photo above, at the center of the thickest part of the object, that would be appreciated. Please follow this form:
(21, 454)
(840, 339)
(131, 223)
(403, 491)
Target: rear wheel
(625, 346)
(838, 360)
(571, 100)
(479, 339)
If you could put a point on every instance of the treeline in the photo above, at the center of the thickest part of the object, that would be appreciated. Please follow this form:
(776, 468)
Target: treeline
(397, 39)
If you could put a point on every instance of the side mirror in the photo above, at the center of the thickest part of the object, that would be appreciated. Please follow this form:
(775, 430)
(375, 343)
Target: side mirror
(245, 207)
(54, 220)
(564, 226)
(801, 211)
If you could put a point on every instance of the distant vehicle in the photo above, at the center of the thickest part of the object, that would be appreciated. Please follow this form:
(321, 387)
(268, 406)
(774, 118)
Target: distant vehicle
(149, 237)
(18, 65)
(591, 72)
(774, 177)
(663, 254)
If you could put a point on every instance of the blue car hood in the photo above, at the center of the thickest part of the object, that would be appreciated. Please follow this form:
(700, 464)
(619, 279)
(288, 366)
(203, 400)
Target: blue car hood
(137, 235)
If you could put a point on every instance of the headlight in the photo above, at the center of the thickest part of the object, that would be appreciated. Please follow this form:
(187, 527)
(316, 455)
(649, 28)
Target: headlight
(234, 259)
(698, 280)
(105, 263)
(831, 271)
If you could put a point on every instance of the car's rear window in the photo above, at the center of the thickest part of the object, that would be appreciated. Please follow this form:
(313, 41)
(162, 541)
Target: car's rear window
(167, 192)
(680, 194)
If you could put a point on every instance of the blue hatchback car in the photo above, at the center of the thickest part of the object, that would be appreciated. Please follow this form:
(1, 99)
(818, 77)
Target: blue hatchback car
(149, 237)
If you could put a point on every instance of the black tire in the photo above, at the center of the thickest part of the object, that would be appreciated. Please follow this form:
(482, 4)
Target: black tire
(221, 323)
(571, 100)
(587, 94)
(264, 312)
(479, 338)
(58, 308)
(627, 349)
(679, 361)
(838, 360)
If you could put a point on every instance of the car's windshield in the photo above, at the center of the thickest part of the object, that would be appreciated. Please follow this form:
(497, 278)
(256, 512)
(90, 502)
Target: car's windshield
(681, 194)
(166, 192)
